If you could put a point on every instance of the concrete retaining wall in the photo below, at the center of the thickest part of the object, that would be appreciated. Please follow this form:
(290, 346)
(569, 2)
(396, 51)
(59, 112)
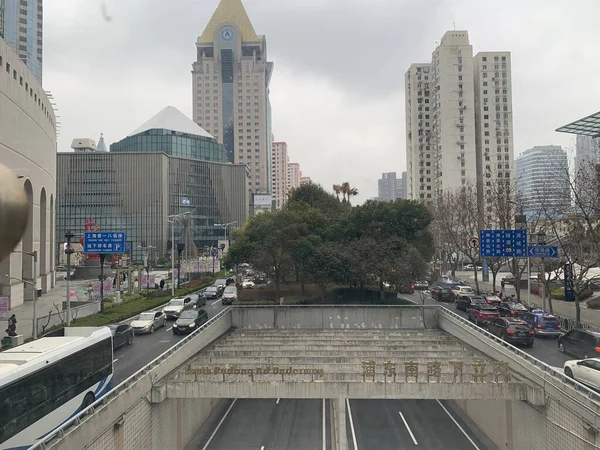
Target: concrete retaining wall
(354, 317)
(130, 421)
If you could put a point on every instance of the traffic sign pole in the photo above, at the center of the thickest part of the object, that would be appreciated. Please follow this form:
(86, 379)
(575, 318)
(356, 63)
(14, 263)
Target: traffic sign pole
(102, 257)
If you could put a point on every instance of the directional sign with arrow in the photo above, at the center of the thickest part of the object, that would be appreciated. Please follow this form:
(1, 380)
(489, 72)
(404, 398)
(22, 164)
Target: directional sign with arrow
(542, 251)
(104, 242)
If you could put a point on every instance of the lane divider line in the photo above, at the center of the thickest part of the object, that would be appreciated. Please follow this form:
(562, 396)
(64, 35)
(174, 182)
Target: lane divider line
(458, 425)
(215, 302)
(115, 360)
(324, 427)
(412, 436)
(351, 424)
(277, 401)
(212, 436)
(169, 329)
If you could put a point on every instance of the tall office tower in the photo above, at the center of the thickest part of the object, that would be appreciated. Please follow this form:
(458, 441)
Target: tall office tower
(542, 180)
(389, 188)
(587, 154)
(494, 128)
(279, 173)
(445, 102)
(294, 174)
(231, 78)
(21, 27)
(402, 189)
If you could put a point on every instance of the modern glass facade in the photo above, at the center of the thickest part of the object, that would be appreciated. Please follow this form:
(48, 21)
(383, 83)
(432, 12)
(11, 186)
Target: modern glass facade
(136, 192)
(172, 143)
(23, 21)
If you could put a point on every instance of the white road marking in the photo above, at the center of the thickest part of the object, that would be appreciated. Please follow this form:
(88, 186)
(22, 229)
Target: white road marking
(164, 341)
(262, 448)
(115, 360)
(324, 428)
(215, 302)
(351, 425)
(169, 329)
(212, 436)
(459, 427)
(412, 436)
(277, 401)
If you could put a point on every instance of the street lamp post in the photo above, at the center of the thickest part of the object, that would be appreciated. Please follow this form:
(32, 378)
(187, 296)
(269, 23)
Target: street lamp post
(542, 241)
(172, 219)
(180, 248)
(225, 225)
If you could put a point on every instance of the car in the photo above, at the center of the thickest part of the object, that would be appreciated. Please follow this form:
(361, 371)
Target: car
(229, 295)
(468, 267)
(177, 305)
(223, 282)
(512, 309)
(512, 330)
(464, 302)
(462, 290)
(442, 294)
(148, 322)
(212, 292)
(247, 284)
(482, 313)
(543, 324)
(200, 299)
(122, 335)
(189, 321)
(493, 300)
(421, 285)
(586, 371)
(405, 288)
(580, 342)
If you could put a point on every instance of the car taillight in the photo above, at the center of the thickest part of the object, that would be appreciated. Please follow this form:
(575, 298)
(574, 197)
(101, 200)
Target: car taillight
(539, 325)
(531, 332)
(597, 349)
(559, 327)
(510, 331)
(413, 286)
(511, 311)
(489, 302)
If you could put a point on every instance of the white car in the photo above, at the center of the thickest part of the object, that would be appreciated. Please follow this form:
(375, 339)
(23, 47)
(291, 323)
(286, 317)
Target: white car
(247, 284)
(176, 306)
(148, 321)
(586, 371)
(462, 290)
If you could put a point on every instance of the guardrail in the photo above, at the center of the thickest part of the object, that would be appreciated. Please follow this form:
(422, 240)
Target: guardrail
(568, 324)
(124, 385)
(523, 358)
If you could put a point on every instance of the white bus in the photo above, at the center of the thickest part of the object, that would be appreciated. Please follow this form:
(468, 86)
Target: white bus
(46, 382)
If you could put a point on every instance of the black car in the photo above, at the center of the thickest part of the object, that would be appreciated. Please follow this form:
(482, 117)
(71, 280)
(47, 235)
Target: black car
(464, 302)
(122, 335)
(512, 330)
(189, 321)
(200, 299)
(512, 309)
(581, 343)
(212, 292)
(442, 294)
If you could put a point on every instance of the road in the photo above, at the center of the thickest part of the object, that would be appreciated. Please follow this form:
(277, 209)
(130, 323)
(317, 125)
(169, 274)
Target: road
(544, 349)
(270, 424)
(406, 424)
(129, 359)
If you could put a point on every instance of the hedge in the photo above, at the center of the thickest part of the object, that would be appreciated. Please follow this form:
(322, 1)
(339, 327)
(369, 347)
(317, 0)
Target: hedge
(593, 303)
(559, 294)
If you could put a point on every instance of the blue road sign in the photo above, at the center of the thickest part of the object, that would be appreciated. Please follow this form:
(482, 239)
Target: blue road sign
(104, 242)
(542, 251)
(503, 243)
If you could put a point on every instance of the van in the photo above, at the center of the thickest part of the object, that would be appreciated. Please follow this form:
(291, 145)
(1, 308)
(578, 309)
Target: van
(229, 295)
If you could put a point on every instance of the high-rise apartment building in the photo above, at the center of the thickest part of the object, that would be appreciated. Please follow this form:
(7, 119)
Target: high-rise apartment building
(279, 174)
(294, 174)
(542, 181)
(21, 27)
(389, 187)
(305, 180)
(452, 107)
(231, 77)
(587, 154)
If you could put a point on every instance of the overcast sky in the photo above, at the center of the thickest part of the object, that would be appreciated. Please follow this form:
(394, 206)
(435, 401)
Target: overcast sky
(338, 86)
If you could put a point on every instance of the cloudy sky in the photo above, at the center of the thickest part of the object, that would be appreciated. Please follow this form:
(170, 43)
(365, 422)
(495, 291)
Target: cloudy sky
(338, 86)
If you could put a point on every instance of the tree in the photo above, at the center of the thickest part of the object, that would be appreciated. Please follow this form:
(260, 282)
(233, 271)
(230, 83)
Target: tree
(347, 192)
(314, 196)
(325, 265)
(241, 251)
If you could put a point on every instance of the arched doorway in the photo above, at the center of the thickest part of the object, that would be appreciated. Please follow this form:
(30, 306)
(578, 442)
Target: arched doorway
(52, 248)
(27, 261)
(43, 255)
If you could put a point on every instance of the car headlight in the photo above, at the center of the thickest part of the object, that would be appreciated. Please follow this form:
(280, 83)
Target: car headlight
(192, 325)
(174, 325)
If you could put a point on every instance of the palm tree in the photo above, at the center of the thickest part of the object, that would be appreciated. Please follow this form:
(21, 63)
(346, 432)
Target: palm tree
(348, 192)
(337, 188)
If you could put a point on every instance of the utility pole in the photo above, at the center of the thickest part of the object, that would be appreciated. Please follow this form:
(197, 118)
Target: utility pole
(69, 251)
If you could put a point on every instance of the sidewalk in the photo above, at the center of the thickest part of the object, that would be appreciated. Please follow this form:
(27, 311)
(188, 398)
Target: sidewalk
(559, 307)
(45, 304)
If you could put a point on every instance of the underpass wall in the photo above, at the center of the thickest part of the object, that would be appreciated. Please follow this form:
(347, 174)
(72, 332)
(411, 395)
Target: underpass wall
(351, 317)
(515, 425)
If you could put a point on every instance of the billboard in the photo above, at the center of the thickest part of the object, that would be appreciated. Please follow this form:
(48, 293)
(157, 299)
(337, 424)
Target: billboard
(262, 200)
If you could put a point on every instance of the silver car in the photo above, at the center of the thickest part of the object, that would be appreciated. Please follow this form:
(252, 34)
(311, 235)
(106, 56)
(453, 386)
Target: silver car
(148, 321)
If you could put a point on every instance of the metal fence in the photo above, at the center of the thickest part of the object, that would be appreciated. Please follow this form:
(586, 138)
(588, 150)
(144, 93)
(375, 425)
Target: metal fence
(59, 317)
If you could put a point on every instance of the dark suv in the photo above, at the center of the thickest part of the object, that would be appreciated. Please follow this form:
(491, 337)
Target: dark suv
(543, 324)
(442, 294)
(512, 330)
(581, 343)
(464, 302)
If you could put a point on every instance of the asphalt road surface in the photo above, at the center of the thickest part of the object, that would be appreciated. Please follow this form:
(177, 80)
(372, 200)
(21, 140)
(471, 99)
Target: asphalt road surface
(146, 347)
(407, 424)
(271, 424)
(545, 349)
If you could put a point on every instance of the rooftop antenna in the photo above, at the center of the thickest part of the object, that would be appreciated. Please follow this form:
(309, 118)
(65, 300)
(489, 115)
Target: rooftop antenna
(454, 25)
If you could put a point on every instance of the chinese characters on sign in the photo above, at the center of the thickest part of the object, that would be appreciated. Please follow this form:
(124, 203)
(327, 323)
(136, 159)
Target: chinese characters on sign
(503, 243)
(104, 242)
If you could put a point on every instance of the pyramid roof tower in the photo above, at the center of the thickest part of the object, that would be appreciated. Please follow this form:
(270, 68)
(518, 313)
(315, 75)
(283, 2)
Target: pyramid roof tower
(233, 12)
(101, 147)
(170, 118)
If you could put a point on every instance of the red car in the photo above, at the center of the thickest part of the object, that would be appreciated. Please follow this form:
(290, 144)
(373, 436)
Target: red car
(482, 313)
(492, 299)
